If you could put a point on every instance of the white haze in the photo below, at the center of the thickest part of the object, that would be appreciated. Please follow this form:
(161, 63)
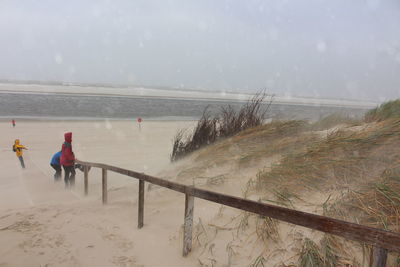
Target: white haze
(320, 48)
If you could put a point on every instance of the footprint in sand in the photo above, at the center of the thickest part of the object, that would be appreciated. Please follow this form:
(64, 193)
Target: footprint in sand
(125, 261)
(120, 241)
(23, 226)
(109, 236)
(125, 245)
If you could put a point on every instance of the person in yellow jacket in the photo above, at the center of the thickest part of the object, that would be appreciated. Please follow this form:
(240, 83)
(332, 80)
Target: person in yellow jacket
(17, 148)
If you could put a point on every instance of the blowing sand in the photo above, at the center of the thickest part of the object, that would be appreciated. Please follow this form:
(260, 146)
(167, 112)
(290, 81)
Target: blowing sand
(42, 224)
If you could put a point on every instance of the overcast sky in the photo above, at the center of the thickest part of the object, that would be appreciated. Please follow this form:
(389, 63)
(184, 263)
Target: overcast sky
(320, 48)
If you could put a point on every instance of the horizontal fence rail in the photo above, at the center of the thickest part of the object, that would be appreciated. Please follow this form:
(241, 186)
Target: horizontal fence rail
(381, 240)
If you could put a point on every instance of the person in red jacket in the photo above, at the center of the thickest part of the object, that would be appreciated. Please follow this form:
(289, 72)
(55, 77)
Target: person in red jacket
(67, 160)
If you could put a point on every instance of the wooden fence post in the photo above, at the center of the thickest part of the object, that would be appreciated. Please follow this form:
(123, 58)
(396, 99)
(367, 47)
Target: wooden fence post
(141, 204)
(382, 240)
(104, 182)
(187, 228)
(379, 257)
(86, 179)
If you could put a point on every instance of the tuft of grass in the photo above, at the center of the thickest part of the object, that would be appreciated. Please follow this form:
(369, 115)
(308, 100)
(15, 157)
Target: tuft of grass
(204, 133)
(327, 255)
(244, 222)
(284, 197)
(260, 261)
(310, 255)
(231, 252)
(330, 257)
(216, 180)
(248, 188)
(377, 203)
(390, 109)
(267, 229)
(200, 234)
(225, 124)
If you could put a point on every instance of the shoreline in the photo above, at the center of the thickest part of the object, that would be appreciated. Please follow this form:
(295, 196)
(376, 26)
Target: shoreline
(81, 119)
(173, 94)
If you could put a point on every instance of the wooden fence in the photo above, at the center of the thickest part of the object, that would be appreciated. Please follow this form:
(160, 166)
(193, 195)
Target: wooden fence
(381, 240)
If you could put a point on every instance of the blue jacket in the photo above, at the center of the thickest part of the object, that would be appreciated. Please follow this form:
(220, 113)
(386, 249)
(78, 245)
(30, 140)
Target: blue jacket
(56, 158)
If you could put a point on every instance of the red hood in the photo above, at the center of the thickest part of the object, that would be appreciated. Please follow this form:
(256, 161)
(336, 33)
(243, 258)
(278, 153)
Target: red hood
(68, 137)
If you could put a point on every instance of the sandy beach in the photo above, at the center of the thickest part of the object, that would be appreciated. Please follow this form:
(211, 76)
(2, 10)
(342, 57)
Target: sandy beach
(42, 224)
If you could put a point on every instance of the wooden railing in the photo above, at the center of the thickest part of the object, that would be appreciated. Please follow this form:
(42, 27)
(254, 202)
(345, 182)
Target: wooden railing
(382, 241)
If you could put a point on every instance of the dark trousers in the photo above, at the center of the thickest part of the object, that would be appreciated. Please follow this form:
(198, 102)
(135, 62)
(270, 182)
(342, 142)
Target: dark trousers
(57, 168)
(21, 159)
(69, 176)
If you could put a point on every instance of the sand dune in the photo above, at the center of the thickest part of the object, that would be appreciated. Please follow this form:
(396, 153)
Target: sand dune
(42, 224)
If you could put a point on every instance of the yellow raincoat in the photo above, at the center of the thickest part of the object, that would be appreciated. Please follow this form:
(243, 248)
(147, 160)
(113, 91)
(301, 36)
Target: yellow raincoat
(18, 148)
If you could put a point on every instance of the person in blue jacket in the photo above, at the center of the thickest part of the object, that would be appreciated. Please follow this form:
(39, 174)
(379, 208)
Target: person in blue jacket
(55, 163)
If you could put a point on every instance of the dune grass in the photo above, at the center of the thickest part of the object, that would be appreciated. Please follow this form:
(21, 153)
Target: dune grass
(324, 255)
(228, 122)
(257, 143)
(360, 167)
(310, 255)
(354, 169)
(334, 119)
(344, 157)
(376, 204)
(390, 109)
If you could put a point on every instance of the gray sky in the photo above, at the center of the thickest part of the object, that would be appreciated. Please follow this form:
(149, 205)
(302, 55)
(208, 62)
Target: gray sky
(319, 48)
